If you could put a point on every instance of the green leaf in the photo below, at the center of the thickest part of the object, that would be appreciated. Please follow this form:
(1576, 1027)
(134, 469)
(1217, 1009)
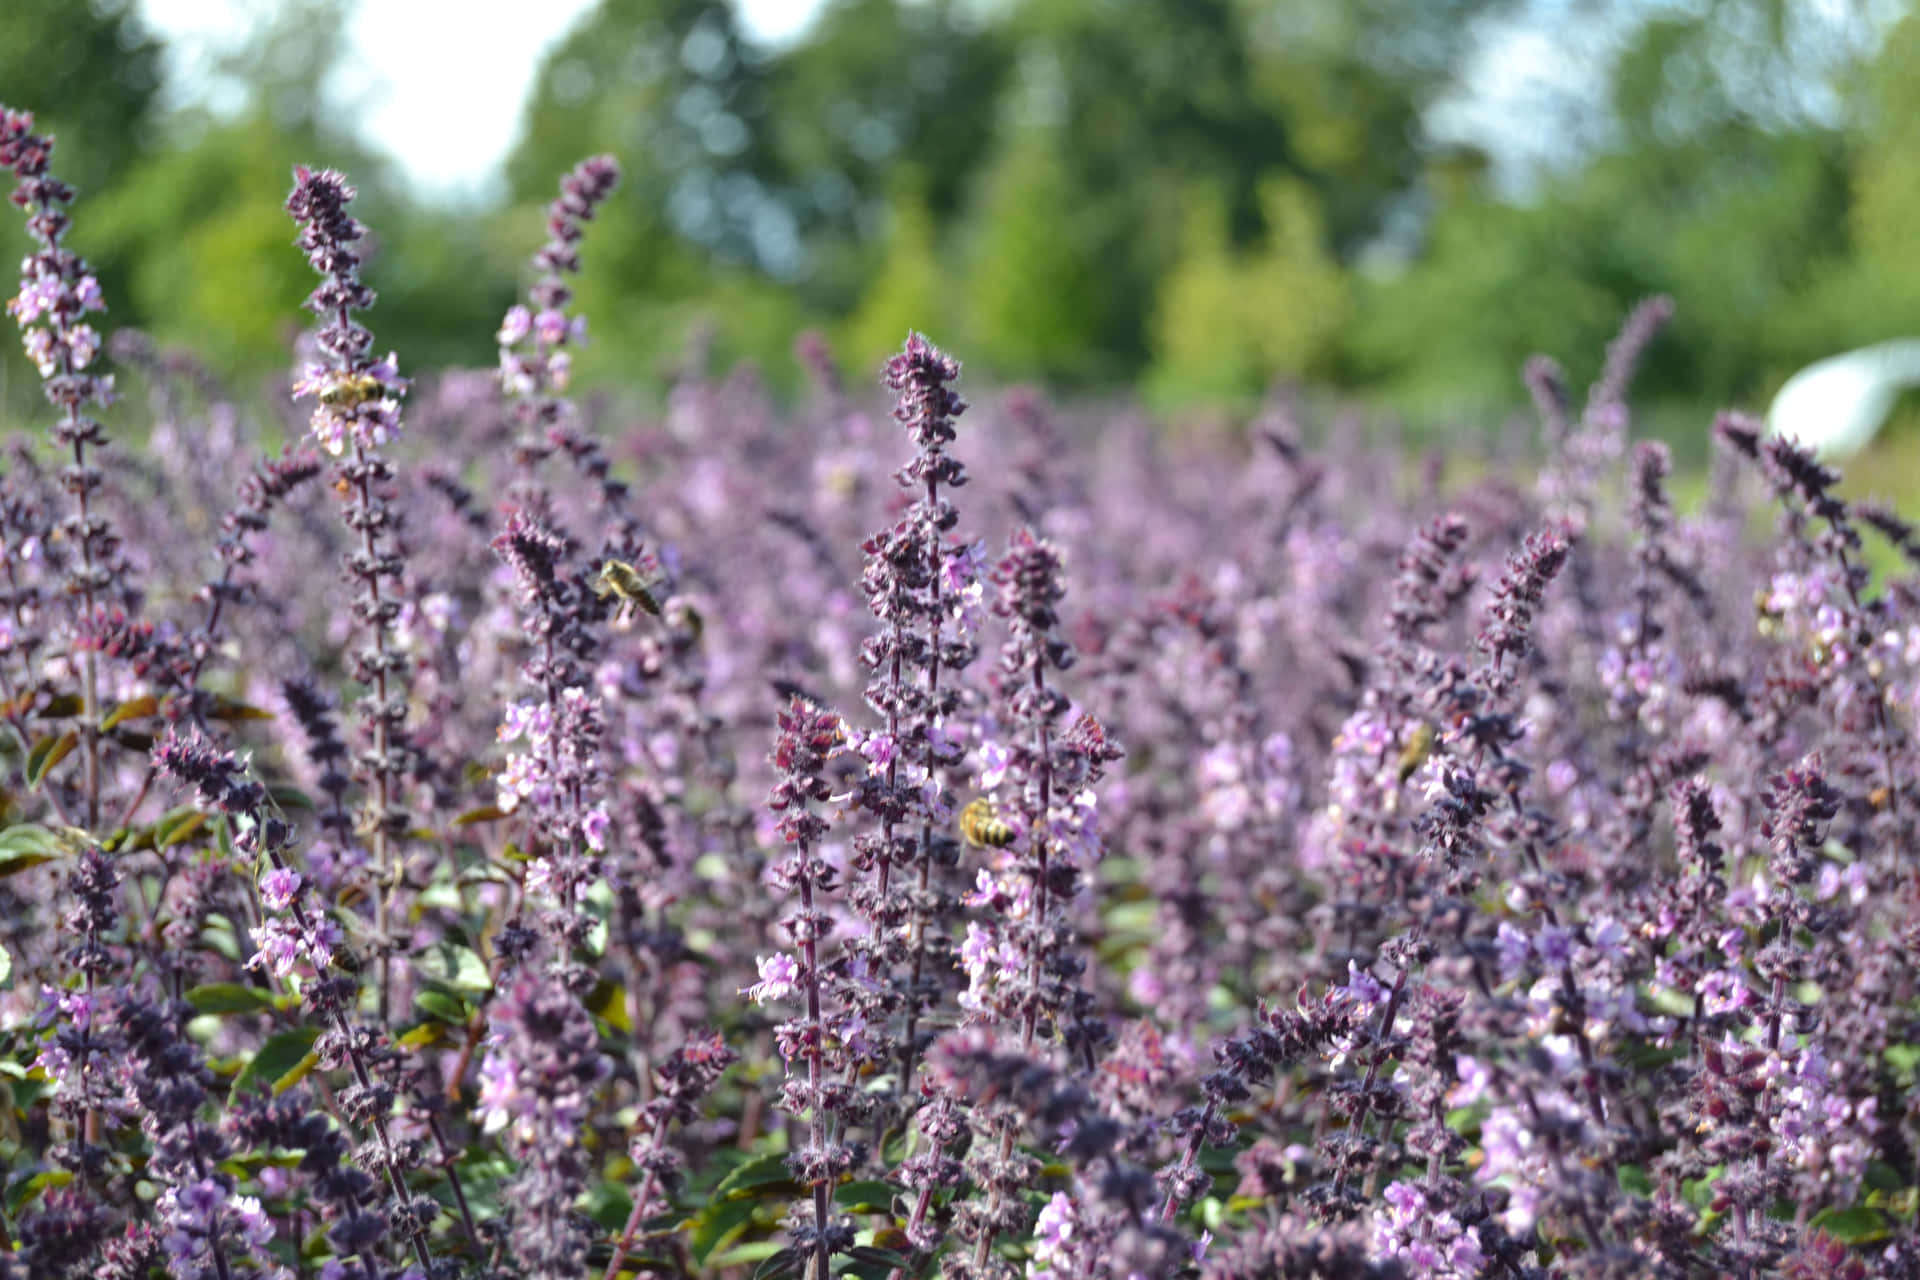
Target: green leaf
(442, 1005)
(753, 1251)
(177, 828)
(768, 1170)
(229, 997)
(62, 706)
(423, 1036)
(47, 753)
(718, 1225)
(871, 1262)
(295, 1074)
(290, 797)
(1634, 1180)
(31, 1188)
(1901, 1202)
(1882, 1176)
(866, 1197)
(6, 964)
(454, 966)
(1857, 1225)
(163, 827)
(485, 813)
(231, 709)
(782, 1262)
(1698, 1192)
(132, 709)
(29, 1091)
(26, 846)
(609, 1000)
(275, 1064)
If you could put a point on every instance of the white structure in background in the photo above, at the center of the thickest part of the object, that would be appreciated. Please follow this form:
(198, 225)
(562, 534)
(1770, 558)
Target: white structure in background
(1836, 405)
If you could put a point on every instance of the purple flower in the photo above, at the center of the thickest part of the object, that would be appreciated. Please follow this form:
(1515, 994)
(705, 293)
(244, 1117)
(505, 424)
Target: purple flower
(278, 887)
(779, 974)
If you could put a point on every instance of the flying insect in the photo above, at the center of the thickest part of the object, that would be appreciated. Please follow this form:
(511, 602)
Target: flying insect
(621, 581)
(982, 827)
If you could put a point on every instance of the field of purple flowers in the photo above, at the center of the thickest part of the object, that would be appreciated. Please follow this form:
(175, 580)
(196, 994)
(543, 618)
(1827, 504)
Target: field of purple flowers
(497, 838)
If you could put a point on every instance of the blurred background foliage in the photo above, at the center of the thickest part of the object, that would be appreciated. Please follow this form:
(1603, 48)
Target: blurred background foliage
(1194, 197)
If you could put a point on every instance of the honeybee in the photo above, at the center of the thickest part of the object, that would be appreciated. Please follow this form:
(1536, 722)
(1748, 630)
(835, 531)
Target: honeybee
(1414, 754)
(983, 828)
(350, 390)
(622, 581)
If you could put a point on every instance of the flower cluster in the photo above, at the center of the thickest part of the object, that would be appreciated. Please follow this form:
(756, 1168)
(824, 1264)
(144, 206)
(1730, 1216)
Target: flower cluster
(557, 775)
(542, 1067)
(535, 363)
(821, 1039)
(1509, 879)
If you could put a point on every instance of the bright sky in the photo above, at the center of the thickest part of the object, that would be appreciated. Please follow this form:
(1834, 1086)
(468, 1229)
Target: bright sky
(440, 83)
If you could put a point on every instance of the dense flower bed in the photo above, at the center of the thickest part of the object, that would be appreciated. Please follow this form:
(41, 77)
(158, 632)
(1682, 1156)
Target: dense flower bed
(517, 840)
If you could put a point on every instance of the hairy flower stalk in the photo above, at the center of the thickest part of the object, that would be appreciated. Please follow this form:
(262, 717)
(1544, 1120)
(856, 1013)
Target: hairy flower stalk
(356, 412)
(1640, 668)
(537, 341)
(536, 360)
(344, 1194)
(76, 1056)
(559, 778)
(1571, 483)
(541, 1072)
(159, 1082)
(57, 291)
(684, 1079)
(1279, 1037)
(919, 585)
(207, 1230)
(808, 737)
(298, 935)
(266, 487)
(1025, 970)
(1847, 629)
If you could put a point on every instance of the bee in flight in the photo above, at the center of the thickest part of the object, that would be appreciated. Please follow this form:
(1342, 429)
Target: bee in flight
(982, 828)
(621, 581)
(1419, 746)
(350, 390)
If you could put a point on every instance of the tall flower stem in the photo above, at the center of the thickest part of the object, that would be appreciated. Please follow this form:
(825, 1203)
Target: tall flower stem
(57, 287)
(357, 411)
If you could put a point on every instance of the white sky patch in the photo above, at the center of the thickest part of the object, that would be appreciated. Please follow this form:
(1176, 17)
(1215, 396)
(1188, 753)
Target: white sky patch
(1531, 97)
(437, 84)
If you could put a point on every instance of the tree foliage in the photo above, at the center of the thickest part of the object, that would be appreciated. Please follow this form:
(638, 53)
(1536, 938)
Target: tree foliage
(1212, 193)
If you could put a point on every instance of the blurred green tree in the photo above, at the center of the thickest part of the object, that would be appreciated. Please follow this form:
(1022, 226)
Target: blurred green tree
(1037, 300)
(883, 115)
(1230, 321)
(672, 89)
(90, 71)
(1875, 294)
(1724, 180)
(196, 220)
(91, 75)
(1039, 150)
(913, 287)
